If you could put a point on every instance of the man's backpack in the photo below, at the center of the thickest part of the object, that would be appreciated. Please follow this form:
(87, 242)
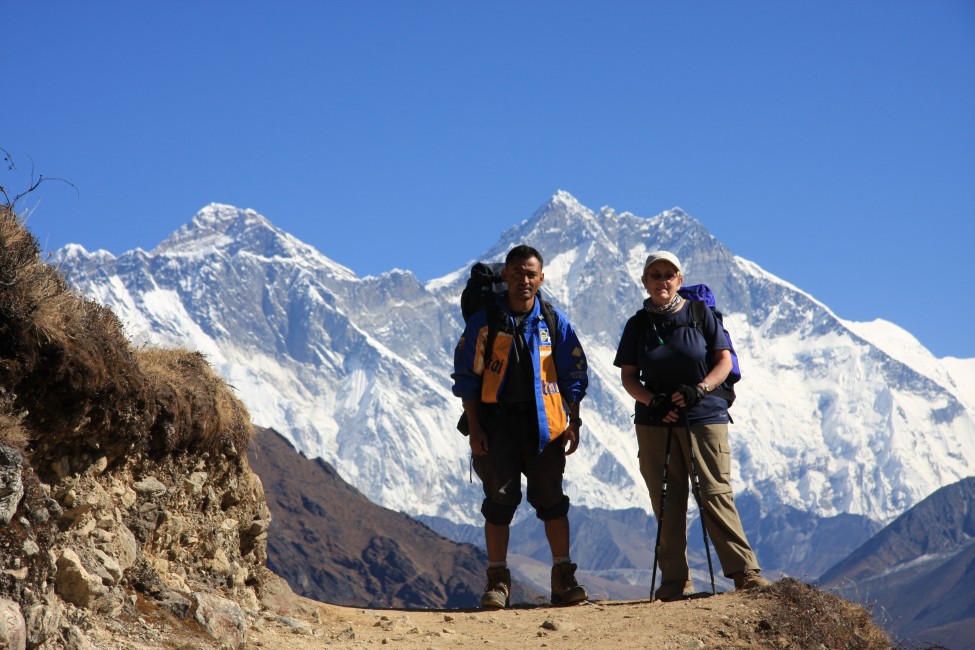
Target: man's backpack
(699, 297)
(483, 287)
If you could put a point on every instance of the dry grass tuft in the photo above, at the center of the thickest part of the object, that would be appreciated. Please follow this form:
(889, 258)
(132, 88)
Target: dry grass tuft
(12, 431)
(196, 408)
(811, 618)
(68, 369)
(65, 360)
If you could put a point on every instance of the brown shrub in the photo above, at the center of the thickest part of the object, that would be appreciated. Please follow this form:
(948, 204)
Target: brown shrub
(196, 408)
(65, 359)
(811, 618)
(69, 370)
(12, 431)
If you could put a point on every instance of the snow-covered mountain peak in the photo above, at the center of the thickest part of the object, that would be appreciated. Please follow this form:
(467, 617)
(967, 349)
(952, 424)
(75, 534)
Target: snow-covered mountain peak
(224, 229)
(74, 252)
(564, 225)
(231, 229)
(564, 215)
(676, 213)
(564, 200)
(562, 205)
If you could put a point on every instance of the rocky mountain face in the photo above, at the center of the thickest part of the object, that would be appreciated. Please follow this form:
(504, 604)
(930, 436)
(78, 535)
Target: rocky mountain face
(918, 573)
(834, 436)
(333, 545)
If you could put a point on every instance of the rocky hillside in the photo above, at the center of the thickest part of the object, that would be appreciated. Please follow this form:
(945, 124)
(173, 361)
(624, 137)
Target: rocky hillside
(124, 484)
(919, 571)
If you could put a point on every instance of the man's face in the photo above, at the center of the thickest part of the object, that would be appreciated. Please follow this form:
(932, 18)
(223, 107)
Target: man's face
(524, 277)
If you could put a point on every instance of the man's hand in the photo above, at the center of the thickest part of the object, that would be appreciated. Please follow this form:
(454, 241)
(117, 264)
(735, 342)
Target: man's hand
(571, 438)
(476, 436)
(478, 440)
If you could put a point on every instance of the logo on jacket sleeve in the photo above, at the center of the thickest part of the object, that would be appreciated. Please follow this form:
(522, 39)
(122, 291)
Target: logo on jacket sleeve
(580, 361)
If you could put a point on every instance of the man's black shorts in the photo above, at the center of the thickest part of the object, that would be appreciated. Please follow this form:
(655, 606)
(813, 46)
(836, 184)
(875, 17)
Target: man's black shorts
(513, 451)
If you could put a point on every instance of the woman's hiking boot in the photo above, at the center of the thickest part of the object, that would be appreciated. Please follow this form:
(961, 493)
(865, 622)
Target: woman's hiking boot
(565, 589)
(498, 589)
(674, 590)
(750, 579)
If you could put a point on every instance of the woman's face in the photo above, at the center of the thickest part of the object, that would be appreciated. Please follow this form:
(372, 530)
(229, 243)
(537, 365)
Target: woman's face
(662, 281)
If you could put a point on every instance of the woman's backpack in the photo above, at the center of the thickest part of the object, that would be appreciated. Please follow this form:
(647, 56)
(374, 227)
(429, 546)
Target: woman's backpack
(700, 296)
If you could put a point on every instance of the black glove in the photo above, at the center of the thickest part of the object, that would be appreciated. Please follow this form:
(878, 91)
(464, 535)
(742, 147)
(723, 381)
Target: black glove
(660, 406)
(691, 394)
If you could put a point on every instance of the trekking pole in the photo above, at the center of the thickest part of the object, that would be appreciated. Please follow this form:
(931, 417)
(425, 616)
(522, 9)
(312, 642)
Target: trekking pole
(660, 519)
(696, 485)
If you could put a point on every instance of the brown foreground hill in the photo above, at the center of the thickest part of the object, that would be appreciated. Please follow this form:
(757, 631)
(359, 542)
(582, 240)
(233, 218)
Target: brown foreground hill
(130, 517)
(330, 543)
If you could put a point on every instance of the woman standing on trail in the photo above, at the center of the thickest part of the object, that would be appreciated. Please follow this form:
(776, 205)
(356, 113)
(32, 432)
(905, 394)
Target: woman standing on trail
(670, 364)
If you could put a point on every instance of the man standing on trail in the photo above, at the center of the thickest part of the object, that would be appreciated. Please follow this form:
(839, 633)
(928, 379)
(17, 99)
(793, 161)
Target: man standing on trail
(521, 372)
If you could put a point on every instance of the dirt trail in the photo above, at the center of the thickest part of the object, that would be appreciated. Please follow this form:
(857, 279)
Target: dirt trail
(727, 620)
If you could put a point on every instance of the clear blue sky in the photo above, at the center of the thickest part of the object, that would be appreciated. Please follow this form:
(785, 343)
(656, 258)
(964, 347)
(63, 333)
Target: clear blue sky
(831, 142)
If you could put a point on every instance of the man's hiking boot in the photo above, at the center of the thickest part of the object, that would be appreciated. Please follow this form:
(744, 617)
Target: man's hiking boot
(674, 590)
(751, 579)
(498, 589)
(565, 589)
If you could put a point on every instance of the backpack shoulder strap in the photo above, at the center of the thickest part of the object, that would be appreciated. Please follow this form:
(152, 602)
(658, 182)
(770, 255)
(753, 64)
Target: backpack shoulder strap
(698, 316)
(552, 322)
(496, 321)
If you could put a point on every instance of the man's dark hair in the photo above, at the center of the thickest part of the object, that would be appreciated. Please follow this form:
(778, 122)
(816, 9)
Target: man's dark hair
(523, 252)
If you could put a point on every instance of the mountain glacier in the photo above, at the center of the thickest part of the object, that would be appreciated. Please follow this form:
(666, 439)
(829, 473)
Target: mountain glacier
(832, 417)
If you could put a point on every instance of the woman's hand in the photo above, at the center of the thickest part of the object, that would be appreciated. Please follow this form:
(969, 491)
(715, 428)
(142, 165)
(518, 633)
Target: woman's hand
(662, 408)
(687, 397)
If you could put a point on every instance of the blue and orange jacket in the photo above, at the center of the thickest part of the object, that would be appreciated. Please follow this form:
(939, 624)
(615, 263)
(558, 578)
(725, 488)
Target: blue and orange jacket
(559, 378)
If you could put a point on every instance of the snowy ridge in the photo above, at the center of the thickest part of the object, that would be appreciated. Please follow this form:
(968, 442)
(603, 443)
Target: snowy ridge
(829, 419)
(219, 227)
(955, 375)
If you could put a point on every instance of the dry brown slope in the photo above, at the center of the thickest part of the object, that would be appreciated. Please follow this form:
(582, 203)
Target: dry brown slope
(334, 545)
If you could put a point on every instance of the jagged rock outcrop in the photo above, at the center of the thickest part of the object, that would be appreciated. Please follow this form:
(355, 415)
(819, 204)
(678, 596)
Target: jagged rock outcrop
(185, 534)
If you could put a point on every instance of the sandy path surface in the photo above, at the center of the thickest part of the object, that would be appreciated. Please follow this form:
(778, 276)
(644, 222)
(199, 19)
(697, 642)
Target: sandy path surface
(727, 620)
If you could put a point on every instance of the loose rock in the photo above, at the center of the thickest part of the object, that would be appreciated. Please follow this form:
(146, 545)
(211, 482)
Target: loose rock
(13, 628)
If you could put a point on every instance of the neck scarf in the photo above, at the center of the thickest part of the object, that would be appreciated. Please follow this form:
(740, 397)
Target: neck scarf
(669, 308)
